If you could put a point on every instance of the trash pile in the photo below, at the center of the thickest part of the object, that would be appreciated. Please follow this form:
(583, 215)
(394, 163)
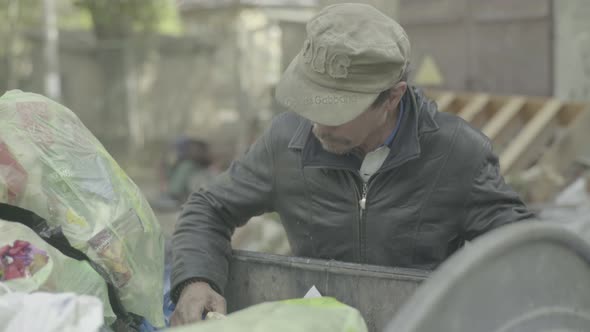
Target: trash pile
(71, 219)
(29, 264)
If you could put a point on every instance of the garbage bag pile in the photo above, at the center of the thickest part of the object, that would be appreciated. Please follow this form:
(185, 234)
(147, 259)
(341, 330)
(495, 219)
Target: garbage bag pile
(52, 165)
(30, 264)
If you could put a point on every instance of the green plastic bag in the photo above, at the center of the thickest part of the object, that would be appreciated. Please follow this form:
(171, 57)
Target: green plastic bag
(46, 268)
(52, 165)
(324, 314)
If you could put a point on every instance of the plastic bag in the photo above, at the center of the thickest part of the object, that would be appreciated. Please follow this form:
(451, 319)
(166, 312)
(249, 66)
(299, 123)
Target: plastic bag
(301, 315)
(52, 165)
(44, 312)
(29, 264)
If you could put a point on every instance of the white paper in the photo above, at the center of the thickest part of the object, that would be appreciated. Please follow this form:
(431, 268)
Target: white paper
(313, 292)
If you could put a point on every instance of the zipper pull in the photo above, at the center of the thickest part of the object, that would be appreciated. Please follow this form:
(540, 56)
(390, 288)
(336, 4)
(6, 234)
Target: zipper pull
(363, 201)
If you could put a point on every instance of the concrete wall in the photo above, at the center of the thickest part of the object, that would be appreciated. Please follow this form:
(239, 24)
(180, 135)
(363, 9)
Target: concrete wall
(481, 45)
(293, 36)
(572, 49)
(246, 63)
(389, 7)
(183, 85)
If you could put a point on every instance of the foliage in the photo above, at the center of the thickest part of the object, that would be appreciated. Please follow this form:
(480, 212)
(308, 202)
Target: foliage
(120, 18)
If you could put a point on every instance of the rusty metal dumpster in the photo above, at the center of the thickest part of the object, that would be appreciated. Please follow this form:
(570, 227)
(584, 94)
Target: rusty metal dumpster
(377, 292)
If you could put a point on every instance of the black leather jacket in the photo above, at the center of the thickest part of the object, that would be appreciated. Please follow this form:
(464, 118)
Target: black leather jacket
(439, 187)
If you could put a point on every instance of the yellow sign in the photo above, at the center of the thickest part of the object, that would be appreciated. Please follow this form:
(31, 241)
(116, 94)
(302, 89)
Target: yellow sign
(428, 72)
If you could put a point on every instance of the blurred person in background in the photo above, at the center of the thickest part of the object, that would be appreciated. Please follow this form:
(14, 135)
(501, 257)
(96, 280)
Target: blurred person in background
(184, 168)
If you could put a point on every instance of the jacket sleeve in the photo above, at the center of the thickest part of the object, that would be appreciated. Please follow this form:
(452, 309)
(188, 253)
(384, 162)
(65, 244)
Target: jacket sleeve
(491, 202)
(201, 242)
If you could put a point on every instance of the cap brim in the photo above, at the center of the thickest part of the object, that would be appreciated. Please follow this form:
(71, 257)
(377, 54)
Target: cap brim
(326, 106)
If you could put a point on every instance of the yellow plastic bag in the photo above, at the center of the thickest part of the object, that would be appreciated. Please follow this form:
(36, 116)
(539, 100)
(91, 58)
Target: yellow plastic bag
(51, 164)
(324, 314)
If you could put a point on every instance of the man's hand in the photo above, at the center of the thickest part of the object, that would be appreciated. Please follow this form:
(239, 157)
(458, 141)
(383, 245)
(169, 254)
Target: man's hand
(196, 299)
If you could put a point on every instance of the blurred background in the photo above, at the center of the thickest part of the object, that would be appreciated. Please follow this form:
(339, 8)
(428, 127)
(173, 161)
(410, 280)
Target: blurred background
(151, 77)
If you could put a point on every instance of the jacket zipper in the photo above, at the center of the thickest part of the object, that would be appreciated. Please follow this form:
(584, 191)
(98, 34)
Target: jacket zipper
(362, 208)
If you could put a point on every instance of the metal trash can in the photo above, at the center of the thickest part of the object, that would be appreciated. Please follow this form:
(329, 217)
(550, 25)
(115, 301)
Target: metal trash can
(377, 292)
(525, 277)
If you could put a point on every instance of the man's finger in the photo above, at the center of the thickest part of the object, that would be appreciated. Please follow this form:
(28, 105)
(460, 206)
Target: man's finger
(192, 313)
(174, 319)
(217, 304)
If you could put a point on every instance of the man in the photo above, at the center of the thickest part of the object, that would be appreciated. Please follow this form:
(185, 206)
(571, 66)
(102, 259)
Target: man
(365, 169)
(189, 169)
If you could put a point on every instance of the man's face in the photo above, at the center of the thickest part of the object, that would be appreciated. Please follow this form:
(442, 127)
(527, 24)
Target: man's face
(344, 138)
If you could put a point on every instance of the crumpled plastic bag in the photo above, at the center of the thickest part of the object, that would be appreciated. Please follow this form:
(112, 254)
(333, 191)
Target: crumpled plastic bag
(51, 164)
(47, 312)
(571, 208)
(29, 264)
(324, 314)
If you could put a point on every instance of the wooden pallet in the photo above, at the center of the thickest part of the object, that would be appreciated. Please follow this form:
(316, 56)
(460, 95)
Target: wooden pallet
(521, 128)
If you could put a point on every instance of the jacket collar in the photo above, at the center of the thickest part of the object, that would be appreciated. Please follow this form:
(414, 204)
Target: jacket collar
(416, 120)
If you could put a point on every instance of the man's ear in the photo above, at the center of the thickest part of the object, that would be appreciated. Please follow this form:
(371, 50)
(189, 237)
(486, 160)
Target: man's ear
(399, 89)
(397, 93)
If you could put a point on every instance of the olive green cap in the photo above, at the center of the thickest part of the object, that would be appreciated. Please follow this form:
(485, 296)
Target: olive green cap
(352, 53)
